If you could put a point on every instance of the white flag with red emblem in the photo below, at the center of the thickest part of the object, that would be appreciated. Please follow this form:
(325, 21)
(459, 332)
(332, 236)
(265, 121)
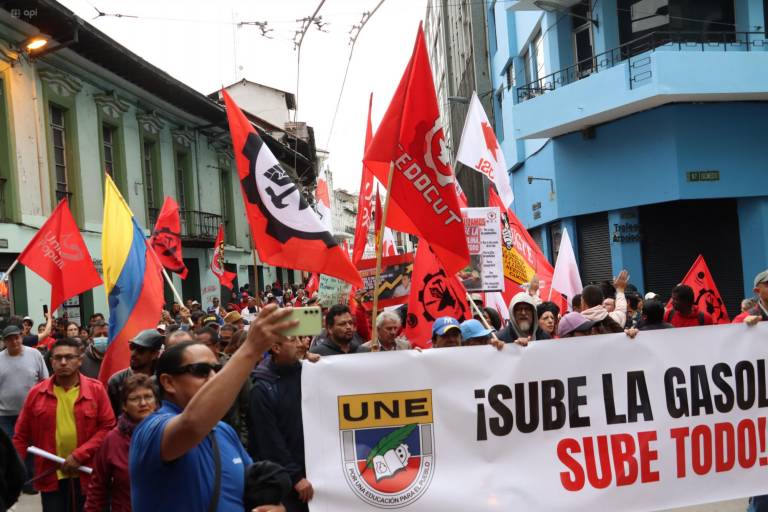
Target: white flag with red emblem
(323, 200)
(480, 150)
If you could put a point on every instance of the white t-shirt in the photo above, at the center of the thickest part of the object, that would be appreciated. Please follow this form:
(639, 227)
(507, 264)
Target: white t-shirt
(17, 376)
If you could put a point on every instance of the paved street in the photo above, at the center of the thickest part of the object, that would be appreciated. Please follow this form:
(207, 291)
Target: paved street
(32, 504)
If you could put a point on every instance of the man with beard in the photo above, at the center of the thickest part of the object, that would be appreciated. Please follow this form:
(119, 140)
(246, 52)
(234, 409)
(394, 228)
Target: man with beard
(523, 322)
(339, 336)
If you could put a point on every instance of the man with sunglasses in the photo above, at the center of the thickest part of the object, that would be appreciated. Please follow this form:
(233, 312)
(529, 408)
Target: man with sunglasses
(182, 457)
(145, 349)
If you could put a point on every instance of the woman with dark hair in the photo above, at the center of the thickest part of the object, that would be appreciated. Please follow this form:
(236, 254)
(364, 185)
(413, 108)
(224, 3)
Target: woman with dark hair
(72, 330)
(110, 482)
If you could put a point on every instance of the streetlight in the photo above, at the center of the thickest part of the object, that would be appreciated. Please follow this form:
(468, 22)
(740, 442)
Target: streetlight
(551, 185)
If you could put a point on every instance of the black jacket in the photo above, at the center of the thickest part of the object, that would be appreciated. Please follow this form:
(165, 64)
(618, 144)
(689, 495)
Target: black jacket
(508, 334)
(275, 430)
(324, 346)
(12, 473)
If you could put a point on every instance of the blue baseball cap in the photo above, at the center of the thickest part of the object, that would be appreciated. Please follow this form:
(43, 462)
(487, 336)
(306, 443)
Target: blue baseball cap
(445, 324)
(474, 329)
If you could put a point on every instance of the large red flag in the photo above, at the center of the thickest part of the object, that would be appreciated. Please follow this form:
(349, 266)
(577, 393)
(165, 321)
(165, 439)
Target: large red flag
(166, 238)
(422, 186)
(522, 257)
(434, 293)
(58, 254)
(217, 262)
(313, 284)
(284, 229)
(364, 199)
(705, 294)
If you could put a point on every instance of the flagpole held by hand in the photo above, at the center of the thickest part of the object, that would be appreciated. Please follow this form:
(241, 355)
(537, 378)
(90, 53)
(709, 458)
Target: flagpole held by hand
(168, 280)
(10, 269)
(379, 249)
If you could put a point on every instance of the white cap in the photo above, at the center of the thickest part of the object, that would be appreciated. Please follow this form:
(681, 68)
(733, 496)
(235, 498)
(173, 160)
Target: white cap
(650, 296)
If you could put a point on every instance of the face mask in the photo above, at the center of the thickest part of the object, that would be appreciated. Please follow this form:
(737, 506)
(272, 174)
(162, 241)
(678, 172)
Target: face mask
(100, 344)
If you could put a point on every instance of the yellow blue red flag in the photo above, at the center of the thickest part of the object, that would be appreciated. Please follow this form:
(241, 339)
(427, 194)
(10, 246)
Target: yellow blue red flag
(132, 279)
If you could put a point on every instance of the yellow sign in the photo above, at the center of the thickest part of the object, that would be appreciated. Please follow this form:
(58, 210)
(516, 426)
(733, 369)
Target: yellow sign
(385, 409)
(515, 266)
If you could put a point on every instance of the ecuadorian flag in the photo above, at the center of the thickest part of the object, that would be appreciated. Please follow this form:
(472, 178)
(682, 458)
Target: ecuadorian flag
(132, 280)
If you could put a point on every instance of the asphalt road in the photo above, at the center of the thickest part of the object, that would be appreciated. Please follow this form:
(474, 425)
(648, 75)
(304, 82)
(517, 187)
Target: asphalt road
(32, 504)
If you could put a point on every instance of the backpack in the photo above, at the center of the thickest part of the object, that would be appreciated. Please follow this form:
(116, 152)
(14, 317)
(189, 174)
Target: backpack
(671, 313)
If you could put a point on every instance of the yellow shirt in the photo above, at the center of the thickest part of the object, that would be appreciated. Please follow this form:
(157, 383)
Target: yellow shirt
(66, 429)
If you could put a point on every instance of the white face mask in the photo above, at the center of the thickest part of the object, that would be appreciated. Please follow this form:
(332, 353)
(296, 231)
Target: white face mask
(100, 344)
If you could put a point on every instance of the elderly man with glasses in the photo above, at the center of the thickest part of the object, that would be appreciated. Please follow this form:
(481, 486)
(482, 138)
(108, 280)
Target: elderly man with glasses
(182, 457)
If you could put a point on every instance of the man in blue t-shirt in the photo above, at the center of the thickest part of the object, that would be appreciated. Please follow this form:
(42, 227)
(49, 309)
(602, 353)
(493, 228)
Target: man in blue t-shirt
(172, 465)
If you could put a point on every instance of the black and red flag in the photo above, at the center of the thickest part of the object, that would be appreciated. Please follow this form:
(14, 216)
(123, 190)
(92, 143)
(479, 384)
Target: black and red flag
(217, 262)
(706, 296)
(286, 232)
(166, 238)
(422, 189)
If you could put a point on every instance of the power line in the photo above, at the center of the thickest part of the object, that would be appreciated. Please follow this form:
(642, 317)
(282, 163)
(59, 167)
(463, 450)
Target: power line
(354, 32)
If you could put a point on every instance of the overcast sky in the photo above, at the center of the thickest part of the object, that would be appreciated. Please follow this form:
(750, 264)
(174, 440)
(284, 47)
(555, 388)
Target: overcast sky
(199, 43)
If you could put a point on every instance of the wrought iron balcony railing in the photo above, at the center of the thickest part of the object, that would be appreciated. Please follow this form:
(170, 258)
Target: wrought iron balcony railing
(196, 225)
(639, 68)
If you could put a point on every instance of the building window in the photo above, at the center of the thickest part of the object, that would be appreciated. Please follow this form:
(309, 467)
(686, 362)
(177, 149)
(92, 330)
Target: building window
(510, 75)
(225, 191)
(537, 57)
(582, 39)
(498, 119)
(58, 129)
(148, 167)
(108, 137)
(526, 61)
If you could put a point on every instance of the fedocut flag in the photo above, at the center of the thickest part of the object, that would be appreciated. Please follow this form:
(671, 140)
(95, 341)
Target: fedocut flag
(705, 294)
(411, 137)
(166, 238)
(285, 231)
(58, 254)
(132, 280)
(217, 262)
(434, 293)
(566, 278)
(480, 150)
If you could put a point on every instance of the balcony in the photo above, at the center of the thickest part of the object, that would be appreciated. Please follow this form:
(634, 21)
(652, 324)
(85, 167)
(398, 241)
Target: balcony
(198, 229)
(659, 68)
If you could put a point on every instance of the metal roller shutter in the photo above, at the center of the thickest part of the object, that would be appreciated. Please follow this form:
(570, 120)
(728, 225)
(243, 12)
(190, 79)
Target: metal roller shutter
(594, 248)
(674, 234)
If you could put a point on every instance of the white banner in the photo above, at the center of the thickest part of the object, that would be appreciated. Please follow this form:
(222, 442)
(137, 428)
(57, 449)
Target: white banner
(676, 417)
(485, 272)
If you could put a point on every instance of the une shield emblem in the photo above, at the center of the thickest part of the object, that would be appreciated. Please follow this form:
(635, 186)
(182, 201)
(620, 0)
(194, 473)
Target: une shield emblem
(388, 446)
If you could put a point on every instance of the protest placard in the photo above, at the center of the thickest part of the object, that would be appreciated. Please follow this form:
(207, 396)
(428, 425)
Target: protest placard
(485, 272)
(333, 291)
(394, 283)
(673, 418)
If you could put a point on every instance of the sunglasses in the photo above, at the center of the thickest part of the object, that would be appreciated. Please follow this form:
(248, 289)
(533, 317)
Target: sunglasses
(199, 370)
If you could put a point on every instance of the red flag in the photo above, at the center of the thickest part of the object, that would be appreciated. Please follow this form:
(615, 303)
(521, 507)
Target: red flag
(284, 229)
(217, 262)
(377, 221)
(364, 200)
(522, 257)
(58, 254)
(313, 284)
(434, 293)
(422, 186)
(705, 294)
(166, 238)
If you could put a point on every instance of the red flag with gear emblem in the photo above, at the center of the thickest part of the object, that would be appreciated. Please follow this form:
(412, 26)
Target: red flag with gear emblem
(434, 293)
(285, 230)
(706, 296)
(166, 238)
(217, 262)
(422, 188)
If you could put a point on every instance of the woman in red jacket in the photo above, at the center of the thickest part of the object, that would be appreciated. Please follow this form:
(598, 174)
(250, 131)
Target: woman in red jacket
(110, 482)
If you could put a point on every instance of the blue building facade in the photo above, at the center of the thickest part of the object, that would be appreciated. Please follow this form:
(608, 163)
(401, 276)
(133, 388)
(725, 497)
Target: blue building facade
(637, 125)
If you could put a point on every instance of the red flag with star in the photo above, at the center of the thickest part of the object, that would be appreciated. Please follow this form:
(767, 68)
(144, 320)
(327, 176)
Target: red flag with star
(410, 136)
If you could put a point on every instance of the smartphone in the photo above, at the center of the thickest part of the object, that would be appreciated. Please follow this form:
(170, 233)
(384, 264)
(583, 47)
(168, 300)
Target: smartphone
(45, 310)
(310, 321)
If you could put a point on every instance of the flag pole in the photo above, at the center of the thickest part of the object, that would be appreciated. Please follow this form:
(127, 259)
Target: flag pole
(7, 275)
(478, 312)
(167, 278)
(379, 250)
(255, 283)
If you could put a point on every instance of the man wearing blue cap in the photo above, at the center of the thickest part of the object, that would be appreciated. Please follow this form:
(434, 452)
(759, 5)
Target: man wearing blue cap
(446, 332)
(473, 332)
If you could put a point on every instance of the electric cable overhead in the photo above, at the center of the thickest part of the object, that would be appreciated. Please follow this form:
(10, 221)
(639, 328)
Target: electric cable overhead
(354, 32)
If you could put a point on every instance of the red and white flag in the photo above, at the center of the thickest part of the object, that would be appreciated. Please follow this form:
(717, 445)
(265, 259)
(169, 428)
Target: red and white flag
(217, 262)
(388, 240)
(285, 231)
(58, 254)
(323, 200)
(480, 150)
(410, 136)
(566, 278)
(434, 293)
